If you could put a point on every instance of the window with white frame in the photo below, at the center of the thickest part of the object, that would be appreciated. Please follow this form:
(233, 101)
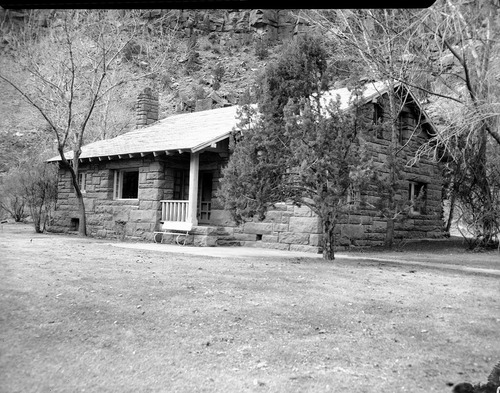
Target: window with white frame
(126, 183)
(417, 197)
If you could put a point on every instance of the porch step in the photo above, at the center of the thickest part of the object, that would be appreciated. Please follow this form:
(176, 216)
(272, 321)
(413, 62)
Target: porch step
(214, 236)
(209, 236)
(228, 242)
(209, 231)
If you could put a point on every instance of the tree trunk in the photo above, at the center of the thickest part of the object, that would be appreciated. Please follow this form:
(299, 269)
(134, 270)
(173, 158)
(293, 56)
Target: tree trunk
(389, 234)
(488, 207)
(82, 227)
(36, 220)
(328, 239)
(451, 212)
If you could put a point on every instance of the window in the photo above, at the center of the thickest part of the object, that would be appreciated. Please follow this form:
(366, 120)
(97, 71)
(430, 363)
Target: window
(417, 197)
(378, 112)
(403, 121)
(82, 181)
(126, 184)
(353, 196)
(74, 224)
(181, 185)
(378, 118)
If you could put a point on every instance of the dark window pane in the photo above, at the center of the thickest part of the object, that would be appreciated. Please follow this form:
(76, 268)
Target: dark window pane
(130, 186)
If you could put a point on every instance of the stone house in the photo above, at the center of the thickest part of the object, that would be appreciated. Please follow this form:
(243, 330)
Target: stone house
(166, 173)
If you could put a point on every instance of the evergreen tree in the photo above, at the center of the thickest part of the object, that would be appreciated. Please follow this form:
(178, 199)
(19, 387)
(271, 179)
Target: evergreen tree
(295, 147)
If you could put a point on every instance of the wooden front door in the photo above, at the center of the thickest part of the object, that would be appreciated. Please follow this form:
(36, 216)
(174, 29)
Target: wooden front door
(205, 205)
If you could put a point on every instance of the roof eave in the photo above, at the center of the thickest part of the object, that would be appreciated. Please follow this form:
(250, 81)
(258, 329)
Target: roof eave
(206, 144)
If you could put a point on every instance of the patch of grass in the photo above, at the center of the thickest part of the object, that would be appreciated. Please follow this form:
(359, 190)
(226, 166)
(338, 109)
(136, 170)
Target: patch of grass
(80, 314)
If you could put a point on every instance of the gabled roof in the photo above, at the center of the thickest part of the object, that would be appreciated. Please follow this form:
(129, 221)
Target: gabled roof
(183, 132)
(192, 132)
(346, 98)
(370, 92)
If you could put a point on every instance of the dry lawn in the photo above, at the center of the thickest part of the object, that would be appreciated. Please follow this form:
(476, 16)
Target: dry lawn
(81, 315)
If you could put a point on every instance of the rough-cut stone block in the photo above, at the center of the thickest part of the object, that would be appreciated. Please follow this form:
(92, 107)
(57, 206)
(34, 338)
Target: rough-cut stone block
(352, 231)
(142, 228)
(378, 237)
(302, 211)
(89, 204)
(379, 225)
(148, 205)
(274, 246)
(130, 228)
(280, 227)
(204, 241)
(305, 225)
(273, 216)
(361, 243)
(102, 196)
(304, 248)
(263, 228)
(204, 230)
(142, 216)
(315, 239)
(285, 218)
(151, 194)
(293, 238)
(121, 215)
(360, 219)
(158, 183)
(269, 238)
(245, 237)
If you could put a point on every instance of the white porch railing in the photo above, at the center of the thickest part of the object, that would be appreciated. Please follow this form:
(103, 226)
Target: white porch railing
(174, 211)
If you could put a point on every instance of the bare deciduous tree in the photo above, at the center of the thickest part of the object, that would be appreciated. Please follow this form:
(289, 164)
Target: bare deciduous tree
(72, 64)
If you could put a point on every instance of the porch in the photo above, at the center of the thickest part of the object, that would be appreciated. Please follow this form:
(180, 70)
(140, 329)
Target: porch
(176, 227)
(190, 201)
(176, 213)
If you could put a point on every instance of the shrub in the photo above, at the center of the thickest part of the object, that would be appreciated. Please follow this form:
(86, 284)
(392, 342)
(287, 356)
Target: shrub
(261, 49)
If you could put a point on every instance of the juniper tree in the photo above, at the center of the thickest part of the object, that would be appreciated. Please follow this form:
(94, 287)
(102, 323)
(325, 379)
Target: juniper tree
(292, 147)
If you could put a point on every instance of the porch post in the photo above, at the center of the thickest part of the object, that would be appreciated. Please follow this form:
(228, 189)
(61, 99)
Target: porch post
(194, 166)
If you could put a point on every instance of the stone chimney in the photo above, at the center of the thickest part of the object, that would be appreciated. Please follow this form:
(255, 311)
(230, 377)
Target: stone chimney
(146, 108)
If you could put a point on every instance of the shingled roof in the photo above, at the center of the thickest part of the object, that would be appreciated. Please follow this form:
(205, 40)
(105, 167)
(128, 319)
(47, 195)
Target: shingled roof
(192, 132)
(189, 132)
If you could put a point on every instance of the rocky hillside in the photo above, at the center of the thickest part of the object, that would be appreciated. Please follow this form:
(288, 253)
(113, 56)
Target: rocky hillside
(219, 53)
(214, 59)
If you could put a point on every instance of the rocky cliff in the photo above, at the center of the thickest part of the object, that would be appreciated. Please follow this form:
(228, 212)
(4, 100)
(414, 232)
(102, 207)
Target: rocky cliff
(261, 23)
(214, 59)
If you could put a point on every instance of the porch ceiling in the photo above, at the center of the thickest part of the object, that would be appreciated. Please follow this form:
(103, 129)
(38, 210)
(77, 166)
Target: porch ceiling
(187, 132)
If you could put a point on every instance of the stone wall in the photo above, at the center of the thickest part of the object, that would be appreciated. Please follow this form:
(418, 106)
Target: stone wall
(106, 216)
(286, 227)
(292, 228)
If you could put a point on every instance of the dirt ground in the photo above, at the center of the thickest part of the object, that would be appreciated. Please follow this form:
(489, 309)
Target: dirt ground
(84, 315)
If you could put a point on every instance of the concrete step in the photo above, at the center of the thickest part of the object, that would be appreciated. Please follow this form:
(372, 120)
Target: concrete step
(228, 243)
(209, 231)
